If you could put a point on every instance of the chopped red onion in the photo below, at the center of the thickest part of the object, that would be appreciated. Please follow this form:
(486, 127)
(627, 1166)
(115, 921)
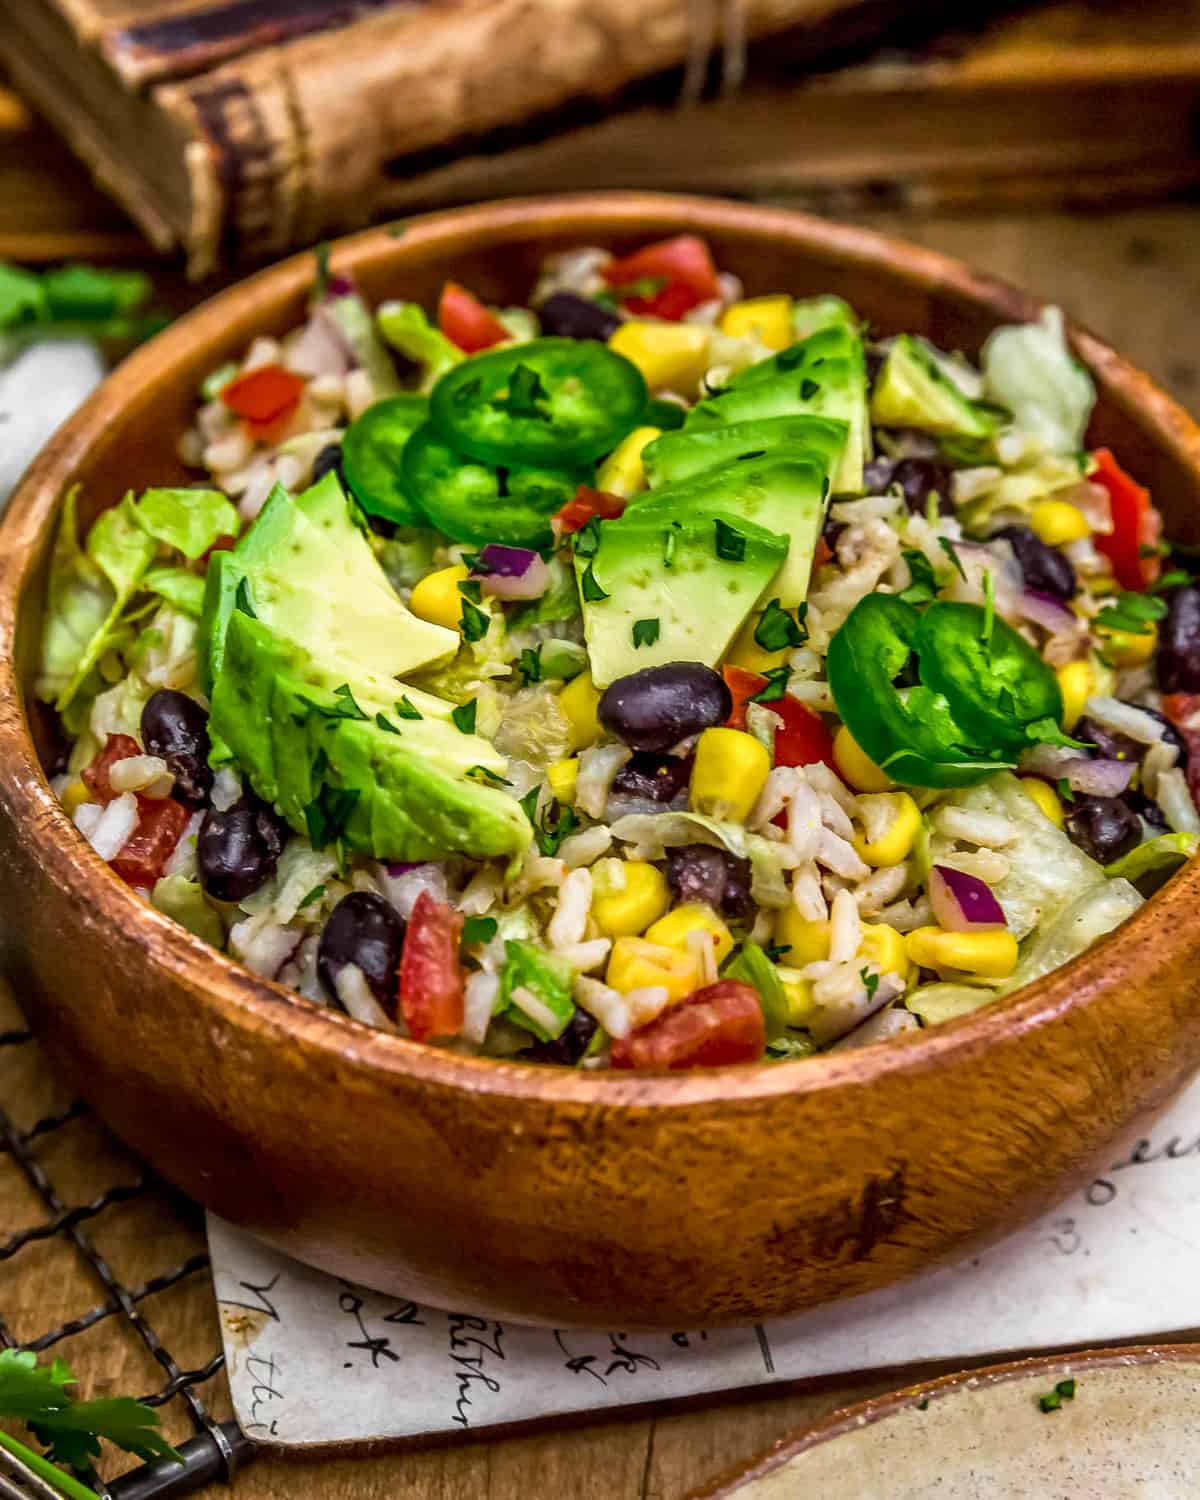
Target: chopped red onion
(402, 867)
(338, 286)
(1050, 762)
(1099, 778)
(1048, 612)
(961, 902)
(512, 573)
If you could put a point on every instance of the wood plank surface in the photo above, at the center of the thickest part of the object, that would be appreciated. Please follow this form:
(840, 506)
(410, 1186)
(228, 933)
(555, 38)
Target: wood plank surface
(1134, 277)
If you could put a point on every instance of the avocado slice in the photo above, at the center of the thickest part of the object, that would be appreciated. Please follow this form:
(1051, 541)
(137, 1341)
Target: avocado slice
(811, 314)
(824, 375)
(313, 746)
(681, 455)
(306, 570)
(912, 390)
(781, 493)
(666, 583)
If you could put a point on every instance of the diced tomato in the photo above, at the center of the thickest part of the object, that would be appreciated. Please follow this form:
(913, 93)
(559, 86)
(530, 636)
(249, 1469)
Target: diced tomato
(720, 1024)
(584, 506)
(466, 322)
(161, 821)
(95, 777)
(265, 396)
(1137, 526)
(684, 266)
(1181, 709)
(742, 687)
(822, 554)
(803, 738)
(431, 978)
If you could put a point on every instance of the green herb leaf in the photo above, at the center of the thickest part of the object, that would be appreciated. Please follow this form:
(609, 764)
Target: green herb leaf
(645, 632)
(808, 389)
(870, 982)
(478, 930)
(731, 544)
(590, 588)
(526, 395)
(777, 630)
(776, 686)
(327, 815)
(313, 896)
(586, 541)
(345, 706)
(528, 804)
(530, 665)
(951, 552)
(405, 709)
(1065, 790)
(1176, 579)
(775, 951)
(464, 716)
(241, 599)
(474, 621)
(1134, 614)
(386, 724)
(321, 280)
(923, 588)
(484, 773)
(791, 1048)
(1053, 1400)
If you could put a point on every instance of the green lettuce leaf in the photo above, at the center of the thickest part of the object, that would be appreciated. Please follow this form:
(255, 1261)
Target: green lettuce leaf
(1029, 369)
(80, 600)
(184, 901)
(547, 979)
(183, 590)
(751, 965)
(405, 326)
(1164, 852)
(188, 520)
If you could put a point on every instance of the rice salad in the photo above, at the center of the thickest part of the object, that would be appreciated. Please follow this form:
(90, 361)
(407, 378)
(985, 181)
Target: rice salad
(649, 677)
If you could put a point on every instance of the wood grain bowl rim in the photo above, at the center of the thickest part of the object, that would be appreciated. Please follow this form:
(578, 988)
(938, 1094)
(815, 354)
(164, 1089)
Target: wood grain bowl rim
(246, 1000)
(847, 1419)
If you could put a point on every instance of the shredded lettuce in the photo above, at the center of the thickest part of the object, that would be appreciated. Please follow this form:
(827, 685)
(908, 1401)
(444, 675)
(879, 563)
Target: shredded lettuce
(1029, 369)
(935, 1003)
(405, 326)
(1164, 852)
(357, 327)
(179, 587)
(184, 901)
(1076, 927)
(751, 965)
(992, 497)
(548, 980)
(189, 520)
(80, 601)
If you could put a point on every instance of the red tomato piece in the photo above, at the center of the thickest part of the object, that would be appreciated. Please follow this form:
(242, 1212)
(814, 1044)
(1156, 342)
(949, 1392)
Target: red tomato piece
(1137, 525)
(822, 554)
(264, 396)
(742, 687)
(720, 1024)
(1181, 709)
(683, 261)
(672, 302)
(95, 777)
(431, 978)
(466, 322)
(586, 505)
(161, 821)
(803, 738)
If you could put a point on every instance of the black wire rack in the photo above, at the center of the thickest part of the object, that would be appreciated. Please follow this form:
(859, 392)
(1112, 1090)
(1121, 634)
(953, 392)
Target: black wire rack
(217, 1449)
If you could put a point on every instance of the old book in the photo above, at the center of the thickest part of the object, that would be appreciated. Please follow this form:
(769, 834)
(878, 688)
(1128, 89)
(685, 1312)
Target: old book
(240, 128)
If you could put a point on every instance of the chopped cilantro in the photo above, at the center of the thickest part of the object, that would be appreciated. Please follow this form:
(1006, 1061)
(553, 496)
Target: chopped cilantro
(408, 710)
(775, 951)
(951, 552)
(923, 1404)
(1134, 614)
(731, 544)
(327, 815)
(1065, 790)
(777, 630)
(464, 716)
(398, 230)
(478, 930)
(526, 395)
(530, 665)
(474, 622)
(776, 686)
(314, 895)
(870, 982)
(344, 706)
(590, 588)
(923, 588)
(472, 589)
(386, 724)
(586, 541)
(482, 773)
(241, 599)
(645, 632)
(1053, 1400)
(808, 389)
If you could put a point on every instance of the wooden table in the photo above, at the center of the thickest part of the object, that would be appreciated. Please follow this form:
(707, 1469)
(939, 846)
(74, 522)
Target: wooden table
(1134, 277)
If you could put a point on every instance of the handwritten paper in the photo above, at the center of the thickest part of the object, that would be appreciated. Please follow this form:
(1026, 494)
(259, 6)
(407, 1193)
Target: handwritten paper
(313, 1359)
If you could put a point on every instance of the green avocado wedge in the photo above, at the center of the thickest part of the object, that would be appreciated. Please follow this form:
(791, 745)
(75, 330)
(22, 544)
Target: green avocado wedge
(682, 455)
(346, 772)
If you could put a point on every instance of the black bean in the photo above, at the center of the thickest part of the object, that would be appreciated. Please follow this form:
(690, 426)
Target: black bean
(1178, 659)
(657, 778)
(364, 930)
(328, 461)
(1145, 808)
(1171, 735)
(657, 707)
(237, 850)
(1043, 568)
(1103, 827)
(175, 727)
(712, 877)
(568, 316)
(1109, 743)
(918, 478)
(831, 532)
(567, 1049)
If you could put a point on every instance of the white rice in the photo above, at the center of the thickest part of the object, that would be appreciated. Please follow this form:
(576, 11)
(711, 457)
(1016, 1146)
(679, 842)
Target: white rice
(804, 827)
(880, 888)
(479, 1001)
(646, 1004)
(587, 847)
(838, 855)
(263, 944)
(355, 994)
(148, 774)
(587, 956)
(603, 1004)
(845, 928)
(183, 856)
(1124, 718)
(538, 1012)
(115, 826)
(569, 922)
(980, 828)
(1176, 801)
(807, 896)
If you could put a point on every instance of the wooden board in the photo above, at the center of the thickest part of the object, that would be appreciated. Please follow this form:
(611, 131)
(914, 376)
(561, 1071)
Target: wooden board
(1077, 101)
(1132, 276)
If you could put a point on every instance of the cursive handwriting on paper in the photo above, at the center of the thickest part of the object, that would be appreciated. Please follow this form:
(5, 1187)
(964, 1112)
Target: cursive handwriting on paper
(475, 1344)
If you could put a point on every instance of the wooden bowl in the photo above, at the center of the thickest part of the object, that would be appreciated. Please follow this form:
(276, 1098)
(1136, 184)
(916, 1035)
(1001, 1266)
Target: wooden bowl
(537, 1194)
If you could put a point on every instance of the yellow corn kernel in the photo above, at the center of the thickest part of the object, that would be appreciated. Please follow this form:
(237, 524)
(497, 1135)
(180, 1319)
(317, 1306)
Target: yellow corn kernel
(670, 355)
(749, 655)
(1057, 522)
(562, 776)
(807, 942)
(884, 947)
(622, 472)
(896, 844)
(767, 319)
(1125, 649)
(1044, 795)
(75, 794)
(673, 930)
(627, 896)
(436, 597)
(579, 701)
(992, 954)
(635, 964)
(800, 1001)
(731, 769)
(856, 766)
(1075, 683)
